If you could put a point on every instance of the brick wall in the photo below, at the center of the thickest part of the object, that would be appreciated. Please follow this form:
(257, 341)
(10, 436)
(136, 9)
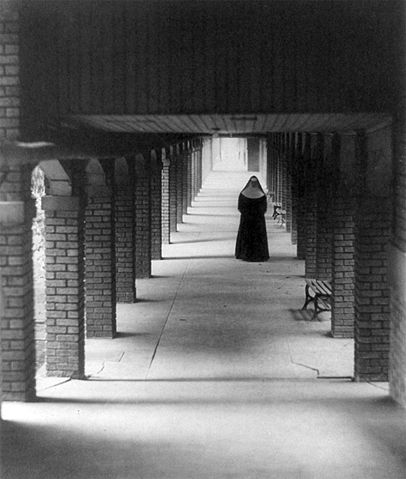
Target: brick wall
(100, 263)
(65, 324)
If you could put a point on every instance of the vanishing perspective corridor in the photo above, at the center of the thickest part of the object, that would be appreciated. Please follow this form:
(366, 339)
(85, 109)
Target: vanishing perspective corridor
(215, 372)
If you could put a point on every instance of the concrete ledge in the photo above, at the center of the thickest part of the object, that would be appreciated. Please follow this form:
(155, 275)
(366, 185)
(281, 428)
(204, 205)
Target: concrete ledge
(60, 203)
(397, 273)
(12, 212)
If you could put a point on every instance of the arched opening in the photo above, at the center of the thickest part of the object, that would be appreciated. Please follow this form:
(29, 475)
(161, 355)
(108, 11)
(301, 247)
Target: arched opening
(38, 190)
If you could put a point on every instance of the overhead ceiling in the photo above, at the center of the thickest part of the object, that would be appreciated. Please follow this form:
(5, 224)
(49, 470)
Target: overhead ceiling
(235, 124)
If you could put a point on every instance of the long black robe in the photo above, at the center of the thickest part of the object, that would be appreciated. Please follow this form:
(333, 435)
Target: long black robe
(252, 241)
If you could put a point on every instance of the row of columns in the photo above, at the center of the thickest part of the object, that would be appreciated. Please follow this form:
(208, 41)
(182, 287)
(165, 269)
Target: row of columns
(334, 213)
(100, 236)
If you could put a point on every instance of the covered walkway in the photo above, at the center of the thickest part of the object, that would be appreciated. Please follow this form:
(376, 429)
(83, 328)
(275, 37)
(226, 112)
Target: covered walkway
(215, 373)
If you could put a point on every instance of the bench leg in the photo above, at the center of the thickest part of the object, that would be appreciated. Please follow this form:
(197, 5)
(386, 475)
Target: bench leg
(309, 298)
(316, 308)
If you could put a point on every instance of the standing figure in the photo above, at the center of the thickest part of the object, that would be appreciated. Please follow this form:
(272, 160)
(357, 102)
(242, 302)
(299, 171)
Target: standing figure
(252, 241)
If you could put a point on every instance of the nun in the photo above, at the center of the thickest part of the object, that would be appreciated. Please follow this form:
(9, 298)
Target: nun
(252, 241)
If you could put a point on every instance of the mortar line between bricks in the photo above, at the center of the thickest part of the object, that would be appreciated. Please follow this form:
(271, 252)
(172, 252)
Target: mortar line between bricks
(167, 316)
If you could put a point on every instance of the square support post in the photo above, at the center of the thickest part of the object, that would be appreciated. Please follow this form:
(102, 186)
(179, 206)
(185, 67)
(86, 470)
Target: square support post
(65, 298)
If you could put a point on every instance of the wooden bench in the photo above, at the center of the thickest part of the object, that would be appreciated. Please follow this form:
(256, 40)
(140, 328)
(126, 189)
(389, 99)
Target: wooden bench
(319, 293)
(279, 215)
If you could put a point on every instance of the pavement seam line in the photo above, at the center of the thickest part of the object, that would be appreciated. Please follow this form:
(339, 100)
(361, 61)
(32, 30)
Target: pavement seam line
(300, 364)
(167, 316)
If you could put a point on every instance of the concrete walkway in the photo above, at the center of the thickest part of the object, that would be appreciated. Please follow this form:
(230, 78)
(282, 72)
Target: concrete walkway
(215, 373)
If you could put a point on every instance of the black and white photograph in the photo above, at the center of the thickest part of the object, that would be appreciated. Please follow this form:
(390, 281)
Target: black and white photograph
(202, 239)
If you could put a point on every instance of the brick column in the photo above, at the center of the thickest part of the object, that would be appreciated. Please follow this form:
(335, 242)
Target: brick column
(284, 173)
(189, 176)
(314, 144)
(324, 237)
(156, 205)
(100, 263)
(371, 261)
(294, 183)
(397, 269)
(142, 208)
(179, 185)
(271, 166)
(9, 70)
(199, 167)
(17, 375)
(65, 323)
(124, 241)
(173, 187)
(185, 180)
(17, 323)
(289, 167)
(343, 217)
(165, 207)
(301, 161)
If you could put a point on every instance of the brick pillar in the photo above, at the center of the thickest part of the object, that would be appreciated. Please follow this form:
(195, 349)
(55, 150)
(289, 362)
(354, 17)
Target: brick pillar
(301, 161)
(179, 185)
(165, 207)
(124, 242)
(371, 281)
(314, 143)
(65, 323)
(100, 263)
(199, 167)
(279, 176)
(324, 238)
(189, 177)
(173, 193)
(156, 205)
(272, 166)
(142, 208)
(185, 180)
(17, 375)
(9, 70)
(397, 367)
(294, 183)
(289, 166)
(284, 174)
(397, 269)
(17, 323)
(343, 217)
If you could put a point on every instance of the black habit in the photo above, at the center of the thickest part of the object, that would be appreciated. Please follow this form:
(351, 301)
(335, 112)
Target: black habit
(252, 241)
